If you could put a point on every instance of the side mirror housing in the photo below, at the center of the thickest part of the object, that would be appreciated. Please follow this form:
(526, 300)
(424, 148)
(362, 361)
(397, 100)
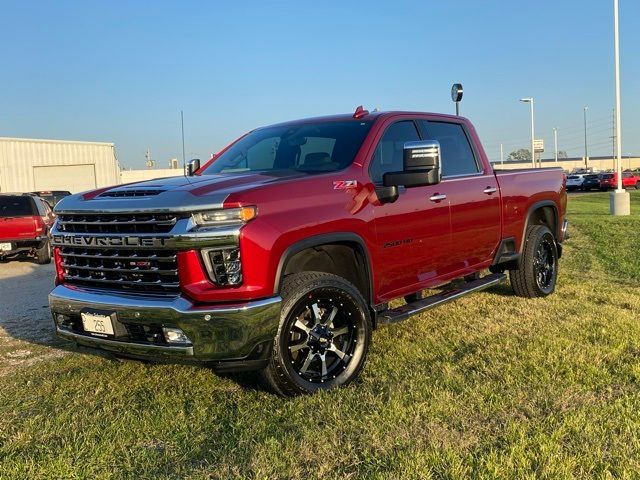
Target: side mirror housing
(193, 166)
(421, 166)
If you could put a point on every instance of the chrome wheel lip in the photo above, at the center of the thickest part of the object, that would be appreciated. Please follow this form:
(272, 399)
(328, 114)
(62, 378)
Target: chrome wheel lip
(322, 337)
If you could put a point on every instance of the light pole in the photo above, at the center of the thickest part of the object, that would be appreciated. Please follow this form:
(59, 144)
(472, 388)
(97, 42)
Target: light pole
(501, 155)
(620, 201)
(529, 100)
(586, 151)
(555, 143)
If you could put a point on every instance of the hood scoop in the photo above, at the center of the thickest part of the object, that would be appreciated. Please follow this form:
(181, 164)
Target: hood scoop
(137, 192)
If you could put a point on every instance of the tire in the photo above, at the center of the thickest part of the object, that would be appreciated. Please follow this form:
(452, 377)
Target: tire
(538, 271)
(315, 348)
(43, 254)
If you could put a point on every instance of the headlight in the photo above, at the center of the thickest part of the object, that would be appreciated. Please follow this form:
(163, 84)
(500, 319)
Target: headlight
(224, 216)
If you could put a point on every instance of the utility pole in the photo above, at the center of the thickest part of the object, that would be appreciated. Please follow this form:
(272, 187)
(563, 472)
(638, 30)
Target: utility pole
(501, 155)
(586, 151)
(533, 132)
(555, 142)
(620, 200)
(149, 162)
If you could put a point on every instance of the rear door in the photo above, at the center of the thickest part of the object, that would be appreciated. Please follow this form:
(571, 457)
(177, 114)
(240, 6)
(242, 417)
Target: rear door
(17, 217)
(412, 233)
(472, 194)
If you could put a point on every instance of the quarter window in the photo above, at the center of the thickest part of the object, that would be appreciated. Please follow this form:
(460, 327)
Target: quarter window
(455, 150)
(388, 156)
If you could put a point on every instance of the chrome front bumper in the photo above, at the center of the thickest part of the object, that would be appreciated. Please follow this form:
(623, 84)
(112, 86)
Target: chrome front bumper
(218, 333)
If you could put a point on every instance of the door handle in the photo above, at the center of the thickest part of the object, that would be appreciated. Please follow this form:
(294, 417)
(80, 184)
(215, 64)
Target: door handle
(490, 190)
(437, 197)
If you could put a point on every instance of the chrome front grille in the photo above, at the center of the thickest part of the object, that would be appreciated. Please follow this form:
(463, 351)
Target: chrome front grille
(152, 271)
(116, 223)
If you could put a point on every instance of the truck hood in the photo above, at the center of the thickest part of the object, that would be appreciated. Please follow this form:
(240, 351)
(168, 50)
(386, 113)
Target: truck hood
(171, 194)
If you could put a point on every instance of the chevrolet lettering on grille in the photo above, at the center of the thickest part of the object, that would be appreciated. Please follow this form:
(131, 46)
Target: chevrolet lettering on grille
(93, 241)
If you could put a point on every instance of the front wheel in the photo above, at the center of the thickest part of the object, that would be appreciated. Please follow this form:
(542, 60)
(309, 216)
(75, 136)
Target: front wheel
(323, 337)
(538, 271)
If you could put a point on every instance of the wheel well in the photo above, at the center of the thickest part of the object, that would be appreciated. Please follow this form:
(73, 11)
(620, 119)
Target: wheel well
(344, 259)
(544, 216)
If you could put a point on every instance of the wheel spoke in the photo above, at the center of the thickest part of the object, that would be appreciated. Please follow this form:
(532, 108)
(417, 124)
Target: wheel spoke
(340, 331)
(307, 362)
(332, 315)
(341, 355)
(301, 325)
(299, 346)
(323, 359)
(316, 313)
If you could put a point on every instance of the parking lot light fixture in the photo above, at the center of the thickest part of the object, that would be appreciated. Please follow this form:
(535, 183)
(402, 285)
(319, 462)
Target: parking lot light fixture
(529, 100)
(620, 201)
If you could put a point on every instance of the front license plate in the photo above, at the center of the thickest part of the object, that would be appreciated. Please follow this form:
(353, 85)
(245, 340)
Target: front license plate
(97, 324)
(5, 247)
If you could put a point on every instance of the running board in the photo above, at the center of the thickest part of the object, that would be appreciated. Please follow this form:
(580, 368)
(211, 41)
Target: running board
(399, 314)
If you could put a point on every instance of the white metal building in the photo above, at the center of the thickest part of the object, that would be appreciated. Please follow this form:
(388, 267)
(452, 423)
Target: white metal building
(32, 165)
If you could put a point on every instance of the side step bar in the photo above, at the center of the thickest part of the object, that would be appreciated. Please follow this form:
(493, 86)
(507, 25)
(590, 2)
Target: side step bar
(403, 312)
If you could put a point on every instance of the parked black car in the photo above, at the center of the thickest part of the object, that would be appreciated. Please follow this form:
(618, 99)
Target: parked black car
(591, 182)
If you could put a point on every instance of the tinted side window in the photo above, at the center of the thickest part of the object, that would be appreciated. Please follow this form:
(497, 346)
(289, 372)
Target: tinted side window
(40, 205)
(389, 152)
(457, 155)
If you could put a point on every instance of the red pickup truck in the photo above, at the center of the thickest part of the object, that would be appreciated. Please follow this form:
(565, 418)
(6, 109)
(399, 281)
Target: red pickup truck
(25, 222)
(284, 251)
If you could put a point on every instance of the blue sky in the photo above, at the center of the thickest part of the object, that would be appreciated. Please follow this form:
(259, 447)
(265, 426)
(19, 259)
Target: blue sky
(122, 71)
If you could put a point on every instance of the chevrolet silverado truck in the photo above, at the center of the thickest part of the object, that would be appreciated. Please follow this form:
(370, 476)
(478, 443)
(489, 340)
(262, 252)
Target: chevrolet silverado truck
(285, 250)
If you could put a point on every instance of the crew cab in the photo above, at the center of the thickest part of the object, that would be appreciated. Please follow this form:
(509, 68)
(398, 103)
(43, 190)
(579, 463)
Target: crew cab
(284, 250)
(25, 222)
(610, 180)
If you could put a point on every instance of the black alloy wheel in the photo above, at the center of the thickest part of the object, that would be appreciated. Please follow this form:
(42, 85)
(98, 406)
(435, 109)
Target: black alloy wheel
(537, 270)
(323, 337)
(545, 263)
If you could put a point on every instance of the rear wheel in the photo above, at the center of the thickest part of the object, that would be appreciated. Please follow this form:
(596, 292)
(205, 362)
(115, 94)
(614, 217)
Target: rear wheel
(43, 254)
(323, 337)
(538, 270)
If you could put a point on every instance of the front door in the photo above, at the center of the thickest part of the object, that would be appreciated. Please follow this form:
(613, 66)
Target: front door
(413, 232)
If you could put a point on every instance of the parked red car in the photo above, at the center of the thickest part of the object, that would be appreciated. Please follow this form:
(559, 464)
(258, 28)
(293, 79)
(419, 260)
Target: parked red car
(610, 180)
(25, 222)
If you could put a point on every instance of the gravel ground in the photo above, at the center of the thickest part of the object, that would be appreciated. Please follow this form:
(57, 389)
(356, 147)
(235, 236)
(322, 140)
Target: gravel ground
(26, 328)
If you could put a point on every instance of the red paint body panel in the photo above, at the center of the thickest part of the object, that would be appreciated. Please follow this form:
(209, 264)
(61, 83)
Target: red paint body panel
(412, 244)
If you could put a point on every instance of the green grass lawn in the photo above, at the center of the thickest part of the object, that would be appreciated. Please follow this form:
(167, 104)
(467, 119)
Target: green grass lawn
(492, 386)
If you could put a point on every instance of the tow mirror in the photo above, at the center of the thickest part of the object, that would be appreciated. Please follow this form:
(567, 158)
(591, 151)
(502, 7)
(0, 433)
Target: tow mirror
(193, 166)
(421, 166)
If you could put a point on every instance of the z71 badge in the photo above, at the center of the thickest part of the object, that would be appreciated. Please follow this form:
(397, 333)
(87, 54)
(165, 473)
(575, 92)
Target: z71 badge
(344, 184)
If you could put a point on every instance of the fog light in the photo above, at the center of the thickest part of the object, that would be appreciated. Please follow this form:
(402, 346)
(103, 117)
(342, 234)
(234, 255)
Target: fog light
(223, 265)
(175, 335)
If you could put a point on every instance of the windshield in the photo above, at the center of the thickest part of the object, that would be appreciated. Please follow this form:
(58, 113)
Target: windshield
(16, 207)
(607, 176)
(308, 147)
